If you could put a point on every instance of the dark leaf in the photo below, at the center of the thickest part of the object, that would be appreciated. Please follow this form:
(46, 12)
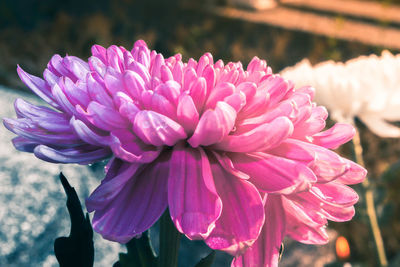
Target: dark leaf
(207, 261)
(140, 253)
(76, 249)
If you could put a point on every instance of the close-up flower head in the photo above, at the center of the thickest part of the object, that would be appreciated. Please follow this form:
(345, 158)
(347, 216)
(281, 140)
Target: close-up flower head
(239, 157)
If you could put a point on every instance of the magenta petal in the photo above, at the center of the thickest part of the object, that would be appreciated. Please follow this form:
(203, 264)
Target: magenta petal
(337, 135)
(109, 189)
(265, 136)
(272, 174)
(157, 129)
(187, 113)
(137, 206)
(194, 204)
(214, 125)
(335, 194)
(304, 233)
(128, 147)
(242, 214)
(265, 251)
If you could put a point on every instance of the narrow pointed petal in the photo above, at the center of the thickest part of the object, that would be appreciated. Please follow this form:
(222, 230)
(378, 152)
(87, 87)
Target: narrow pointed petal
(354, 175)
(38, 86)
(337, 135)
(194, 204)
(71, 155)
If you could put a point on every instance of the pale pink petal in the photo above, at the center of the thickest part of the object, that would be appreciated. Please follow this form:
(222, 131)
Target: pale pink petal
(354, 175)
(272, 174)
(157, 129)
(214, 125)
(187, 114)
(337, 135)
(265, 136)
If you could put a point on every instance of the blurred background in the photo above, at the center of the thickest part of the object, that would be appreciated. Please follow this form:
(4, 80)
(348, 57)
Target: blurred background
(282, 32)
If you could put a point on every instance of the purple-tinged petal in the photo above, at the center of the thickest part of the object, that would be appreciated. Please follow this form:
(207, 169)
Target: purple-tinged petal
(23, 144)
(265, 251)
(194, 204)
(87, 134)
(214, 125)
(38, 86)
(242, 214)
(128, 147)
(110, 188)
(27, 129)
(337, 135)
(104, 117)
(71, 155)
(138, 205)
(77, 67)
(272, 174)
(97, 90)
(263, 137)
(156, 129)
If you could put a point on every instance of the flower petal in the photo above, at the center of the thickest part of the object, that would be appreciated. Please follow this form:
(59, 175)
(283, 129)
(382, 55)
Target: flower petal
(38, 86)
(157, 129)
(193, 201)
(137, 206)
(214, 125)
(265, 251)
(81, 155)
(337, 135)
(265, 136)
(242, 215)
(272, 174)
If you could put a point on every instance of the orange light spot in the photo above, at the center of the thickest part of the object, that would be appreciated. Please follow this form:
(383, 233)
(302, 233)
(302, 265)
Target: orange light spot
(342, 248)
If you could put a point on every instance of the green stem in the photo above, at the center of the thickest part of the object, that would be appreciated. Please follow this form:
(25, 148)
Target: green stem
(169, 242)
(370, 206)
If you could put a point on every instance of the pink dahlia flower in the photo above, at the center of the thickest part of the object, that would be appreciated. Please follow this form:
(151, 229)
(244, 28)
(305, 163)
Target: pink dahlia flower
(236, 155)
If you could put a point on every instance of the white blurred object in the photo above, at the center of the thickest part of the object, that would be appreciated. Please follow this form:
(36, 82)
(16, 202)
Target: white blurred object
(367, 87)
(253, 4)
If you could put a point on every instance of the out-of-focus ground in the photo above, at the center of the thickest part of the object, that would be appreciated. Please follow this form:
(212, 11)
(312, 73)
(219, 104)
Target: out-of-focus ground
(32, 31)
